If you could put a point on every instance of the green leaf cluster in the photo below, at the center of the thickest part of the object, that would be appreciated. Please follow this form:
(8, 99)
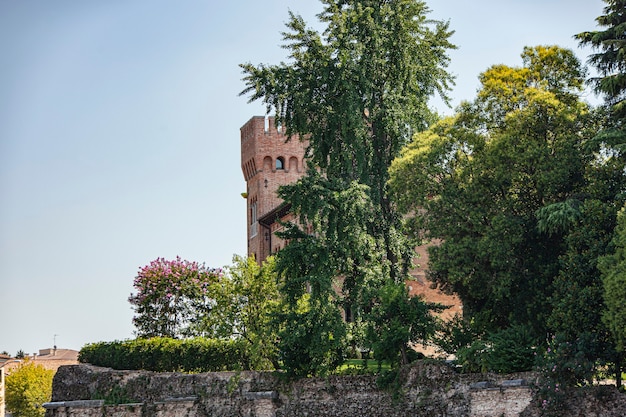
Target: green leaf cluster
(245, 303)
(28, 387)
(312, 337)
(395, 321)
(505, 351)
(613, 267)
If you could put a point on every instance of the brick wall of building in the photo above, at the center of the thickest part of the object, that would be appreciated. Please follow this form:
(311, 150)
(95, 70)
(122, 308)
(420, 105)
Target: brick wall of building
(262, 145)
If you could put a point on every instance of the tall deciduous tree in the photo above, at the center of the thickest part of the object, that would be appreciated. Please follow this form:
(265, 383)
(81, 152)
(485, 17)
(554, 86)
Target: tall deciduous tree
(357, 92)
(476, 182)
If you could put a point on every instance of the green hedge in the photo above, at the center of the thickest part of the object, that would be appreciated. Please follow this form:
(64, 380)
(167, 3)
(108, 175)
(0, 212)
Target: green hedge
(164, 354)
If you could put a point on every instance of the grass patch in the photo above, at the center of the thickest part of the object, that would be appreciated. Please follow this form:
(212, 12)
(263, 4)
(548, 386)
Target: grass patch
(362, 367)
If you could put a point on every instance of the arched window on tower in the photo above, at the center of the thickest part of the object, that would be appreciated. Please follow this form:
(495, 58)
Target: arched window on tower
(280, 163)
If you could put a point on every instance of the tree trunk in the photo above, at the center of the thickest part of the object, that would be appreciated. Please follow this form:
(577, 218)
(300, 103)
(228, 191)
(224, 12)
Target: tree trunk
(618, 370)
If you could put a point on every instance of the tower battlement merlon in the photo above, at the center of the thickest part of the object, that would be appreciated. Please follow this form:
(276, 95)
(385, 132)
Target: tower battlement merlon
(260, 126)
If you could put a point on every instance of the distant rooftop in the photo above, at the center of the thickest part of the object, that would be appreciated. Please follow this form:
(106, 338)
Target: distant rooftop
(57, 354)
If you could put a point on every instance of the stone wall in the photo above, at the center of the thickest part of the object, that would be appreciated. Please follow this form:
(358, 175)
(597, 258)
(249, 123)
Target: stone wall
(426, 390)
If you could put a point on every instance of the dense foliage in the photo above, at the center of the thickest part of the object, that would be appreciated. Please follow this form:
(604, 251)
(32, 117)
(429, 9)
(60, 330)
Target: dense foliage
(506, 351)
(183, 299)
(172, 297)
(27, 388)
(519, 194)
(357, 92)
(246, 302)
(613, 267)
(476, 183)
(165, 354)
(610, 61)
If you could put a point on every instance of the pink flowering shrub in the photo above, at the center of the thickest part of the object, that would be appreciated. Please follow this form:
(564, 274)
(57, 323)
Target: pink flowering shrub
(172, 298)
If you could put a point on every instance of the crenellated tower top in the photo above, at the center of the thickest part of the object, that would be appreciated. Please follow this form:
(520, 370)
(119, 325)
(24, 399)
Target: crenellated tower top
(268, 160)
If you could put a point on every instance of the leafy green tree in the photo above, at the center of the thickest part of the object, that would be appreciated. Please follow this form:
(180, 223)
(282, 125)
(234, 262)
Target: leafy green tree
(396, 320)
(357, 92)
(454, 334)
(506, 351)
(577, 300)
(474, 184)
(311, 266)
(610, 60)
(246, 303)
(172, 297)
(27, 388)
(312, 336)
(522, 192)
(613, 267)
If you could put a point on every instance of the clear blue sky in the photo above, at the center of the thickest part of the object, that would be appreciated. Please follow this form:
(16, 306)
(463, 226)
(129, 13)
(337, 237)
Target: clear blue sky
(119, 139)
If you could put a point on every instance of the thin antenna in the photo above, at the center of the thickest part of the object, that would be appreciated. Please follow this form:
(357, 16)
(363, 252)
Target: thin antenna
(55, 341)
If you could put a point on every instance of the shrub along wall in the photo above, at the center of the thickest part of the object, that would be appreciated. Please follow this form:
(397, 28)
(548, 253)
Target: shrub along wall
(168, 355)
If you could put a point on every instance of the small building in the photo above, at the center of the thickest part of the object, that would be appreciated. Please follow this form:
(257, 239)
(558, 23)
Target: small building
(53, 358)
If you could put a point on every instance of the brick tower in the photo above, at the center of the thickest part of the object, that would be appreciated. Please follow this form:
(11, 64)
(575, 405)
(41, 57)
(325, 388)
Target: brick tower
(268, 160)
